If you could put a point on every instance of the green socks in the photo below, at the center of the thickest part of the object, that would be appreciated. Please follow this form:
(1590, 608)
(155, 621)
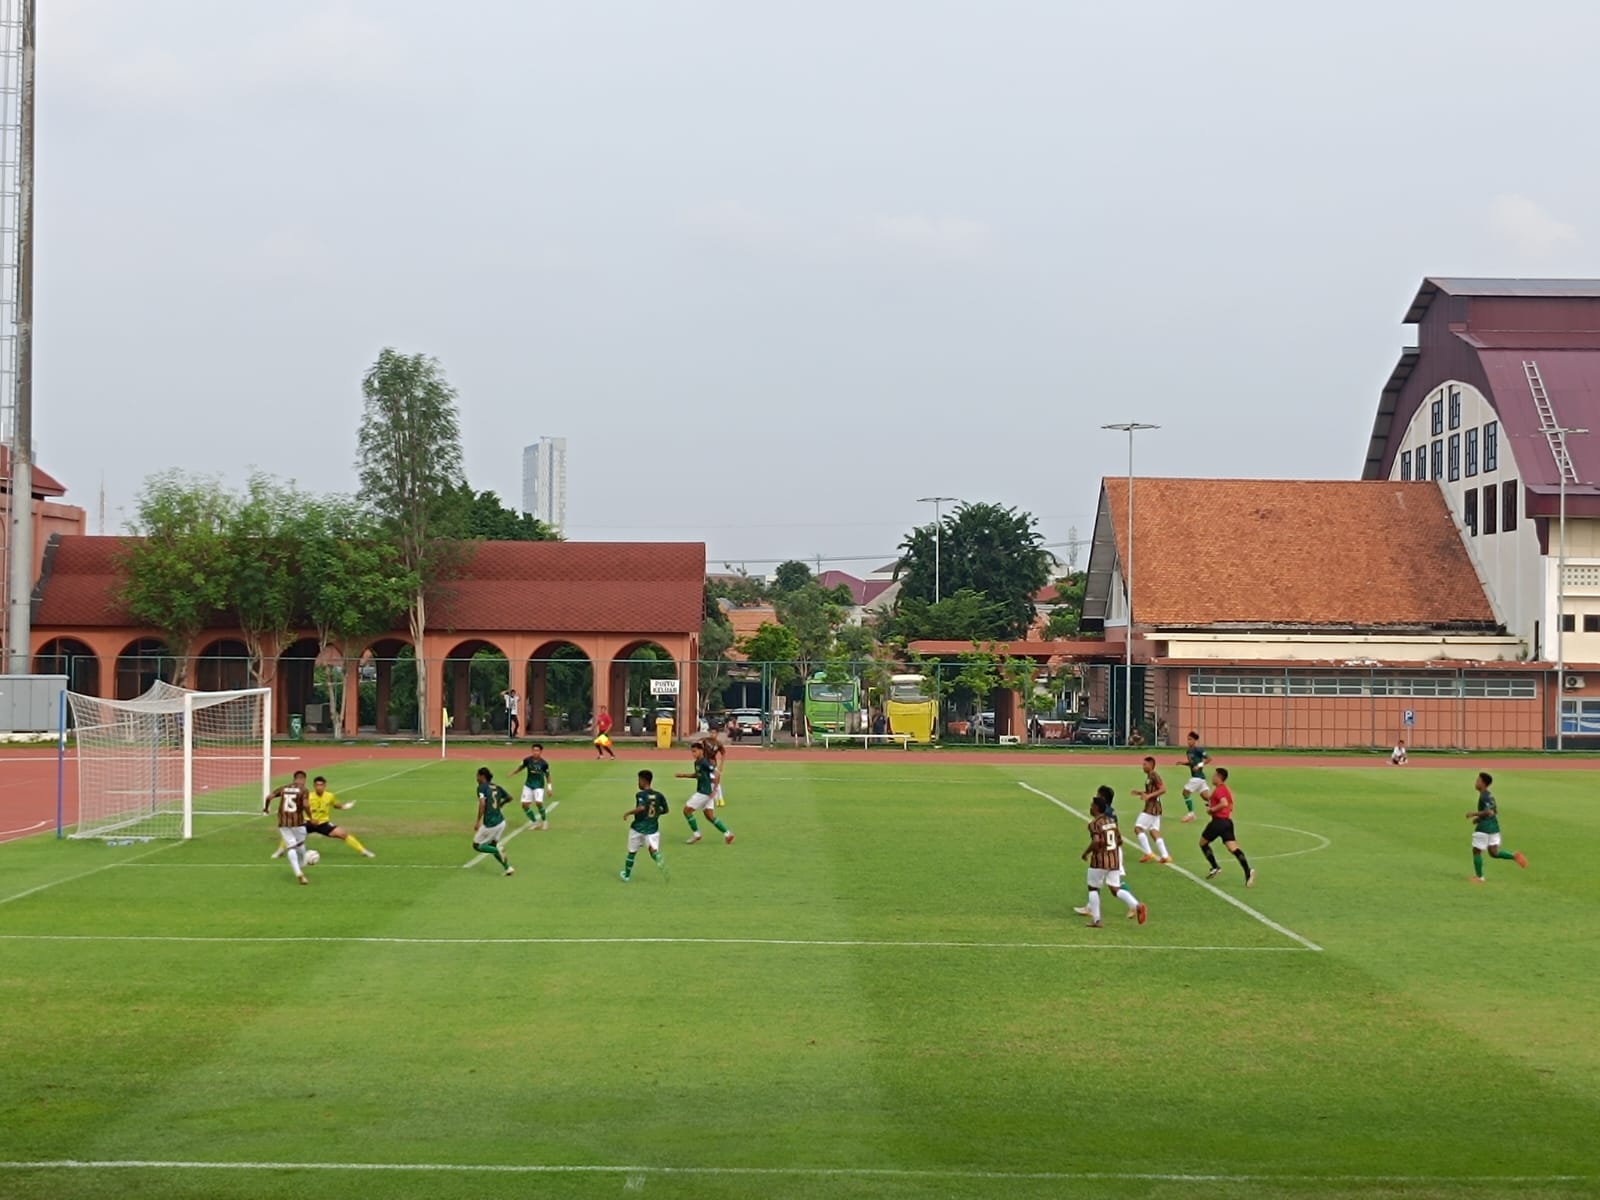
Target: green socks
(694, 826)
(529, 813)
(627, 867)
(1477, 863)
(718, 823)
(1504, 854)
(1188, 801)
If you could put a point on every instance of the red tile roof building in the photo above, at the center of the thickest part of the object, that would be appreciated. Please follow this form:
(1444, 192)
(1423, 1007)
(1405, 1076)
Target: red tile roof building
(522, 599)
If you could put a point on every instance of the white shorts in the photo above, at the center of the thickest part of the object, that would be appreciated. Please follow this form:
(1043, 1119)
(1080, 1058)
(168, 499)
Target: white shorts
(294, 837)
(1150, 821)
(699, 802)
(1106, 879)
(1192, 785)
(636, 840)
(532, 795)
(1486, 841)
(716, 793)
(488, 834)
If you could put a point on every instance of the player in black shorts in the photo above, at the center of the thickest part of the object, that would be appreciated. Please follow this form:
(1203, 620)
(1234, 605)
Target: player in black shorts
(1219, 804)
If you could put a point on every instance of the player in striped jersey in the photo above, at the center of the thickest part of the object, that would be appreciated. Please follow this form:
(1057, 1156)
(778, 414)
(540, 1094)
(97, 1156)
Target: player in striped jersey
(291, 798)
(1104, 856)
(1149, 821)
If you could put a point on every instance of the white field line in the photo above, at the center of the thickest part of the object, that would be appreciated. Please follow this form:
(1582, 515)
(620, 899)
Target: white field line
(164, 846)
(931, 1173)
(804, 943)
(272, 866)
(1215, 891)
(1323, 842)
(478, 858)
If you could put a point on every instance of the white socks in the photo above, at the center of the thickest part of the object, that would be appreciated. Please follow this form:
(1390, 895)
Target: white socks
(1094, 906)
(1144, 843)
(1127, 898)
(294, 860)
(1161, 848)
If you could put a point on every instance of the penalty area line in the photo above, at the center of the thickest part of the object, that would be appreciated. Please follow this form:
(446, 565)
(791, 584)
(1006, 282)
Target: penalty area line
(1215, 891)
(478, 858)
(817, 1172)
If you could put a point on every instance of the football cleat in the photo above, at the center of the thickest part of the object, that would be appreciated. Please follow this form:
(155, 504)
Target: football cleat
(623, 875)
(1520, 859)
(1144, 858)
(1082, 912)
(368, 854)
(1187, 817)
(727, 838)
(1166, 860)
(1475, 879)
(1250, 879)
(1092, 925)
(1214, 872)
(1140, 913)
(691, 841)
(302, 879)
(511, 870)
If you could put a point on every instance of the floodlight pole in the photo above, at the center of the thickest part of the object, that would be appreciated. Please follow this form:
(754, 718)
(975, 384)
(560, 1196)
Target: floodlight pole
(19, 576)
(1563, 464)
(938, 523)
(1130, 428)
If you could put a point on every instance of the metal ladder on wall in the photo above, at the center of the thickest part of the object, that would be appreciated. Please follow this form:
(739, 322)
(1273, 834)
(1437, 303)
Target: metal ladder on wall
(1548, 425)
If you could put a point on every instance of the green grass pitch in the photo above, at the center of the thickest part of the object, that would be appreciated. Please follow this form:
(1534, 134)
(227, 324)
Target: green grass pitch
(879, 990)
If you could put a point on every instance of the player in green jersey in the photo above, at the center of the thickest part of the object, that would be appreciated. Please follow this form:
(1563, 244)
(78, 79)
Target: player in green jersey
(1486, 829)
(491, 825)
(1195, 758)
(536, 786)
(644, 828)
(704, 798)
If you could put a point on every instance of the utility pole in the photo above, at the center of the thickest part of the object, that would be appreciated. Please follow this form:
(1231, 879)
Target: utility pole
(938, 503)
(19, 616)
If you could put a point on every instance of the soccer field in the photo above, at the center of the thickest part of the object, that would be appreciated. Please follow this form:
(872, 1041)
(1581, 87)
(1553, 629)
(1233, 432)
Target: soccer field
(880, 989)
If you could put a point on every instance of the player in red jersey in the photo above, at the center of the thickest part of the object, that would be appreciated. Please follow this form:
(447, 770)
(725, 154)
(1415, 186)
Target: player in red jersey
(1219, 806)
(602, 734)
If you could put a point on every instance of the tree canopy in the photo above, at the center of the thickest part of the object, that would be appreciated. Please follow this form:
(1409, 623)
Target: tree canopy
(994, 551)
(484, 516)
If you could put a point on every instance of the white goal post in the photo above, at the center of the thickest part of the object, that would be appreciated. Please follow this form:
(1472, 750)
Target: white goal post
(148, 766)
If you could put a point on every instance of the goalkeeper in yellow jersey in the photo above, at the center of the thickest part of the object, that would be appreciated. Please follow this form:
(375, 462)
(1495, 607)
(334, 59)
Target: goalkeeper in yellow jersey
(320, 804)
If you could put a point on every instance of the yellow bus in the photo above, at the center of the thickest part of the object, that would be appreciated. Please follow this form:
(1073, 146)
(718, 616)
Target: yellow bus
(911, 710)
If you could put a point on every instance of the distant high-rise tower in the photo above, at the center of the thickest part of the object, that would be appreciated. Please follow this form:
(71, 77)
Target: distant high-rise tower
(544, 482)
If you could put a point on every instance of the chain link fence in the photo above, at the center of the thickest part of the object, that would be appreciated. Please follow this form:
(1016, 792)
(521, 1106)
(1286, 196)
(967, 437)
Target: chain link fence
(1239, 706)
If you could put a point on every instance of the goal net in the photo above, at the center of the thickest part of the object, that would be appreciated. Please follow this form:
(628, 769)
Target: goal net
(148, 766)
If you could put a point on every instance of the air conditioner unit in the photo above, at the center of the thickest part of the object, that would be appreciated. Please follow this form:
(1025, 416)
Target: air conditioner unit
(1574, 682)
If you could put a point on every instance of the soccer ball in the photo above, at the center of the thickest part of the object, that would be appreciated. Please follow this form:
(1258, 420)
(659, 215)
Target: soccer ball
(313, 857)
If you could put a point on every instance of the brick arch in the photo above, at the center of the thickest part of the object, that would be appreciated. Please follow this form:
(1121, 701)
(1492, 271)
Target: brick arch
(222, 664)
(294, 677)
(454, 675)
(73, 658)
(380, 655)
(560, 672)
(141, 662)
(629, 687)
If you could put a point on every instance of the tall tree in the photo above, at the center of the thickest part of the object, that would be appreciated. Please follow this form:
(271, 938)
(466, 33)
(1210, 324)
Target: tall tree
(356, 586)
(996, 551)
(266, 585)
(409, 461)
(178, 567)
(716, 639)
(484, 515)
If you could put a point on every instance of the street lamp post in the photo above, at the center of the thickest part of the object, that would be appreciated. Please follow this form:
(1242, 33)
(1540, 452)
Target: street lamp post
(1130, 428)
(938, 521)
(1563, 464)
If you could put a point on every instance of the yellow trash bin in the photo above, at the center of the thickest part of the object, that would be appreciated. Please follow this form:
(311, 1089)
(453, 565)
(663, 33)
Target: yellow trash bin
(663, 733)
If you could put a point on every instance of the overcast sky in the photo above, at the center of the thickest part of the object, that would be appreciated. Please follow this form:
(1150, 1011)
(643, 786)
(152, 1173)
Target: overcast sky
(777, 269)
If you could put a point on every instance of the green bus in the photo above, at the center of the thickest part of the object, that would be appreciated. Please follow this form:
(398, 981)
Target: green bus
(833, 707)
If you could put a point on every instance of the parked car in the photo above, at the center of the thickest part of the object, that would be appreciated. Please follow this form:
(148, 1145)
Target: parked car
(746, 721)
(1092, 731)
(983, 725)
